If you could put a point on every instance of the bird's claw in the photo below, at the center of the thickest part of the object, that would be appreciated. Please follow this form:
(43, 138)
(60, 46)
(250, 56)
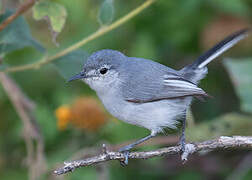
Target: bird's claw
(125, 150)
(126, 158)
(182, 145)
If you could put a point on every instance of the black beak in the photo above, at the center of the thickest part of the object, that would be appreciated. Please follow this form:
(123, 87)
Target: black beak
(78, 76)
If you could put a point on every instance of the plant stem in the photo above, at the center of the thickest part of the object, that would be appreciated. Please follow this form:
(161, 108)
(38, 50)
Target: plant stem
(22, 9)
(101, 31)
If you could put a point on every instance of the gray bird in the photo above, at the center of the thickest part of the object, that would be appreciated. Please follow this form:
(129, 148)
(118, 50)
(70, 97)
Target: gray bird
(148, 94)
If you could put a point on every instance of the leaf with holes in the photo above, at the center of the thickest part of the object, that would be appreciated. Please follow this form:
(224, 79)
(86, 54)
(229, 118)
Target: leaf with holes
(241, 75)
(53, 12)
(106, 13)
(16, 35)
(71, 63)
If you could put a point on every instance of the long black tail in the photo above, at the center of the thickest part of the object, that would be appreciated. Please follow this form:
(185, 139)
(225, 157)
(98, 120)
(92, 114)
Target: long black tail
(220, 48)
(197, 70)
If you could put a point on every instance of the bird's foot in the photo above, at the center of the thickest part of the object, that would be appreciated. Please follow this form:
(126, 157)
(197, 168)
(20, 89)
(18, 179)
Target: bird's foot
(125, 162)
(125, 150)
(182, 144)
(189, 149)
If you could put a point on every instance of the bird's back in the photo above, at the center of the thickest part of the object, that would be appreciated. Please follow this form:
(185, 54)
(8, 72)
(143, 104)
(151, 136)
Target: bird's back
(150, 81)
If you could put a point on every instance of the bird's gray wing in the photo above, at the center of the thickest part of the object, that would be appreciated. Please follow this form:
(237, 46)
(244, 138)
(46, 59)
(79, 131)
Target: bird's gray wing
(158, 86)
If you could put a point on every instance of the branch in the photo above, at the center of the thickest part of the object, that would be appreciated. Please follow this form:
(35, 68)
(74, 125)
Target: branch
(31, 132)
(222, 142)
(103, 30)
(23, 8)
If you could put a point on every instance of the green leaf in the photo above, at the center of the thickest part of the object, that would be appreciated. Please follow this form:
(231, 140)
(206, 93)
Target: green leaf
(53, 12)
(16, 35)
(47, 121)
(106, 13)
(3, 66)
(71, 63)
(241, 75)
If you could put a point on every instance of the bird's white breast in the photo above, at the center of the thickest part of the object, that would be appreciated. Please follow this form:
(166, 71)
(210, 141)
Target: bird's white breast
(153, 115)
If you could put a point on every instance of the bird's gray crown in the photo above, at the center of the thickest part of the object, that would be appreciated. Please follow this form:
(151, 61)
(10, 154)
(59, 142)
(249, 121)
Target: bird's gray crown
(100, 58)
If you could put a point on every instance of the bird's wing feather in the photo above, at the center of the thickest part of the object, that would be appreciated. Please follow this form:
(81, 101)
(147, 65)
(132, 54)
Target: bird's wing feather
(158, 84)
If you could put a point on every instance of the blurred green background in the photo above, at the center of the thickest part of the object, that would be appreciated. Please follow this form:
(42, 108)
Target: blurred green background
(72, 120)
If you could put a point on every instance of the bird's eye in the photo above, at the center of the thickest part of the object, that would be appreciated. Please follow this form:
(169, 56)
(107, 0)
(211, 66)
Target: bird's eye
(103, 70)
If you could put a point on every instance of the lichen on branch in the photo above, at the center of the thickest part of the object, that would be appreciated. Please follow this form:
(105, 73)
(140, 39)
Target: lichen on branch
(223, 142)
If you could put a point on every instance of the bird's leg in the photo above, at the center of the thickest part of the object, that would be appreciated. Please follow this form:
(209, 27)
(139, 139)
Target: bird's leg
(182, 137)
(130, 146)
(125, 150)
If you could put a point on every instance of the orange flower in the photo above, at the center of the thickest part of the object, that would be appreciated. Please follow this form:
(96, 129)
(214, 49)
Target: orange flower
(63, 114)
(87, 114)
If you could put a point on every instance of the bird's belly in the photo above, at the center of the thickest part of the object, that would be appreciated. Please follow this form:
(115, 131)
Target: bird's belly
(153, 115)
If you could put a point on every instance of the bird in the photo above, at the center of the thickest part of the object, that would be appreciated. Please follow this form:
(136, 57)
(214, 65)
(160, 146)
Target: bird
(146, 93)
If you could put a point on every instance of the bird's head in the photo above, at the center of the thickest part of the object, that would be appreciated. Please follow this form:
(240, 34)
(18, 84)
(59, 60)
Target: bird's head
(101, 70)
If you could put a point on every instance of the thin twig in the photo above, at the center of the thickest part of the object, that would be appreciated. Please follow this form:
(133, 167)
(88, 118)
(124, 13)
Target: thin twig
(31, 132)
(103, 30)
(23, 8)
(90, 151)
(223, 142)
